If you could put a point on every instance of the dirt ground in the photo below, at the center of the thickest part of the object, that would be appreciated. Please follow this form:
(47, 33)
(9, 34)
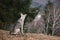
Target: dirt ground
(4, 35)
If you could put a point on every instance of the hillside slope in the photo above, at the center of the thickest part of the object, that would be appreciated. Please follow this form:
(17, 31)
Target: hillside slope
(4, 35)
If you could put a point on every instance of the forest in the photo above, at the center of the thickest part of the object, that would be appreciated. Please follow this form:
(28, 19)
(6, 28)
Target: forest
(38, 20)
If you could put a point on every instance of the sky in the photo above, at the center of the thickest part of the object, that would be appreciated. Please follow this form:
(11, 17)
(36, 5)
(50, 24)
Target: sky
(42, 2)
(36, 3)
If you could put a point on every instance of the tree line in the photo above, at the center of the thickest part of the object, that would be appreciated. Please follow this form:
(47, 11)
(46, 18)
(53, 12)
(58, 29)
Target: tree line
(9, 13)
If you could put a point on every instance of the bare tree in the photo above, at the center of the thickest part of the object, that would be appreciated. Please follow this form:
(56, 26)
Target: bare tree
(56, 17)
(36, 26)
(47, 15)
(52, 18)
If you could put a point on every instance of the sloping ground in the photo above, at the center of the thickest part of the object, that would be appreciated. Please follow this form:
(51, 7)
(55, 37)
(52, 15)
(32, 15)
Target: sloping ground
(4, 35)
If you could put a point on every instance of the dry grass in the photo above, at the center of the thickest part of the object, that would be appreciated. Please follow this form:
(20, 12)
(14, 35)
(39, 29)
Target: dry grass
(4, 35)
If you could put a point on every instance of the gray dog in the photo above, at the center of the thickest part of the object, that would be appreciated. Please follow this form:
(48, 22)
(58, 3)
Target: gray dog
(18, 26)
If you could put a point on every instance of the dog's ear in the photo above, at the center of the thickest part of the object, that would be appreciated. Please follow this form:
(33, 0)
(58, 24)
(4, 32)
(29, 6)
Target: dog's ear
(21, 14)
(25, 14)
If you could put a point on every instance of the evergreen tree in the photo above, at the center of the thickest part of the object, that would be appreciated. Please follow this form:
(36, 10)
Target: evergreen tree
(10, 9)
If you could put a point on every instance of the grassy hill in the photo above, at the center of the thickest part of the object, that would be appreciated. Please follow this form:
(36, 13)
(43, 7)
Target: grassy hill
(4, 35)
